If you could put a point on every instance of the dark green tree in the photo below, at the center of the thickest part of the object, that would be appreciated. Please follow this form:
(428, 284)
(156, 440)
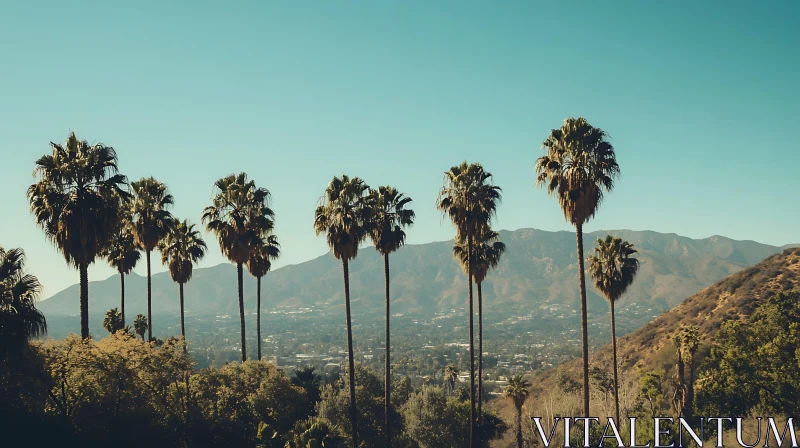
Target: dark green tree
(435, 420)
(652, 391)
(735, 379)
(314, 433)
(307, 379)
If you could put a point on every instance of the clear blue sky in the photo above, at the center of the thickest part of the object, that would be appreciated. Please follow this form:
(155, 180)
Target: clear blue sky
(701, 100)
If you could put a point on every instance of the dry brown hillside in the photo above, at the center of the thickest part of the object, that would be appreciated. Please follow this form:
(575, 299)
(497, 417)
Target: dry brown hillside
(735, 297)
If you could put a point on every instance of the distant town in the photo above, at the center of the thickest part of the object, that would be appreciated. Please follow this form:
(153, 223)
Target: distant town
(422, 345)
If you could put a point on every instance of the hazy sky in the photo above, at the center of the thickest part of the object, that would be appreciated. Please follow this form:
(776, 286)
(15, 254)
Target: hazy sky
(701, 100)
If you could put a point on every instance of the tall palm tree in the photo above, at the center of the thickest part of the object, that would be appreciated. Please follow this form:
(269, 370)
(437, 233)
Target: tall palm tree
(578, 168)
(470, 200)
(517, 392)
(389, 216)
(75, 202)
(180, 250)
(485, 255)
(150, 223)
(20, 321)
(613, 269)
(343, 216)
(239, 216)
(259, 263)
(122, 254)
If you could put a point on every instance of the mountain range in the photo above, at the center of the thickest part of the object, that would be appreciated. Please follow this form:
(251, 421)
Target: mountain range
(538, 267)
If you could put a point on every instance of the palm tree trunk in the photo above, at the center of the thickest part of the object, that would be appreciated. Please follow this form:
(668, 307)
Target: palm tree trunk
(351, 362)
(122, 296)
(83, 269)
(472, 441)
(149, 310)
(480, 354)
(183, 328)
(614, 344)
(519, 427)
(258, 315)
(690, 388)
(584, 329)
(387, 384)
(681, 384)
(240, 279)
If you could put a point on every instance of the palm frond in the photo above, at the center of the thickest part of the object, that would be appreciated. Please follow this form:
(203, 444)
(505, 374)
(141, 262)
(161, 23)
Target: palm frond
(239, 216)
(389, 216)
(579, 167)
(180, 249)
(20, 321)
(613, 267)
(150, 220)
(344, 216)
(77, 196)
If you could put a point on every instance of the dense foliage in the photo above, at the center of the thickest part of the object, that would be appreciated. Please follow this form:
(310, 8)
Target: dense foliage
(123, 391)
(735, 379)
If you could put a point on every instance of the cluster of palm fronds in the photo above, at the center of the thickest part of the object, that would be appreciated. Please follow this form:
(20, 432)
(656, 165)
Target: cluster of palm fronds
(19, 318)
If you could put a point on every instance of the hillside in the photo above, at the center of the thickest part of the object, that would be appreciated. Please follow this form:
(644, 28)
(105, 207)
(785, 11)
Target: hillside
(539, 267)
(650, 348)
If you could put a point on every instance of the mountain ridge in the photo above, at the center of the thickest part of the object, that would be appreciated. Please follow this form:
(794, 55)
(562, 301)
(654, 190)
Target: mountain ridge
(539, 267)
(735, 297)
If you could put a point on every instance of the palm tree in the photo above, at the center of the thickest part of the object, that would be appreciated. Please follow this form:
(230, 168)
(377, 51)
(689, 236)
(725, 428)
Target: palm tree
(470, 201)
(239, 215)
(113, 321)
(451, 376)
(75, 202)
(517, 392)
(613, 269)
(343, 216)
(314, 433)
(150, 224)
(389, 216)
(259, 263)
(123, 255)
(679, 380)
(309, 381)
(579, 167)
(20, 321)
(180, 250)
(485, 255)
(691, 342)
(140, 325)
